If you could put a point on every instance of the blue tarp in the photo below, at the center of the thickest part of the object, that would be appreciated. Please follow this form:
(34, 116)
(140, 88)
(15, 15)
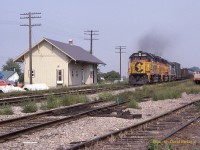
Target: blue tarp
(1, 76)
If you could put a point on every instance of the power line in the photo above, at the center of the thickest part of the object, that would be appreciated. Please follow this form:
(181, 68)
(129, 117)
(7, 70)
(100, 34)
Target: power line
(120, 52)
(91, 33)
(9, 22)
(30, 16)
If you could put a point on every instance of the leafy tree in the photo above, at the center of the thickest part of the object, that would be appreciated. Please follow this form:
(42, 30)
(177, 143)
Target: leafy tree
(194, 68)
(111, 76)
(99, 75)
(21, 78)
(11, 66)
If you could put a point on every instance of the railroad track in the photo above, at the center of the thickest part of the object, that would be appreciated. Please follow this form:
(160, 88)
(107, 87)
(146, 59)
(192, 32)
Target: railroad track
(138, 136)
(186, 137)
(41, 97)
(19, 99)
(15, 127)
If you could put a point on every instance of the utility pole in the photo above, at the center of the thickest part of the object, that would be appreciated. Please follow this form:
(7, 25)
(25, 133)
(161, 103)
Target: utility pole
(30, 16)
(120, 52)
(91, 33)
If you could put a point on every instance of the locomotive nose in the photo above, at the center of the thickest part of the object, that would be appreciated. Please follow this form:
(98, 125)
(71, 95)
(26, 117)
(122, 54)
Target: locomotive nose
(138, 67)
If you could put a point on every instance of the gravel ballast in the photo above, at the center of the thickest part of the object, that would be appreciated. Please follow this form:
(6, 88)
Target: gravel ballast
(61, 136)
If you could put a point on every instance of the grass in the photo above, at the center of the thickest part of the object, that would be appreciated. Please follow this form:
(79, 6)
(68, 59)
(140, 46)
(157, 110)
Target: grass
(133, 104)
(169, 147)
(66, 100)
(153, 145)
(125, 96)
(29, 107)
(70, 99)
(168, 93)
(171, 90)
(6, 110)
(57, 90)
(52, 102)
(107, 96)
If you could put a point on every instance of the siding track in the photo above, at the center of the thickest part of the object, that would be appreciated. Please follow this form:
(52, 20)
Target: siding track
(41, 97)
(14, 127)
(138, 136)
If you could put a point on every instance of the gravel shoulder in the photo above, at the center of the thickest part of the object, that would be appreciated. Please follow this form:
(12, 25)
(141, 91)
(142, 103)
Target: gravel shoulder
(61, 136)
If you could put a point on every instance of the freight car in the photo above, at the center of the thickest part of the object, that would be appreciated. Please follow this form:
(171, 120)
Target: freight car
(186, 73)
(148, 68)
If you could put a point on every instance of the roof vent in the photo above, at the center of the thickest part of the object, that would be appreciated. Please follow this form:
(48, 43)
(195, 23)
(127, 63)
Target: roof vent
(70, 41)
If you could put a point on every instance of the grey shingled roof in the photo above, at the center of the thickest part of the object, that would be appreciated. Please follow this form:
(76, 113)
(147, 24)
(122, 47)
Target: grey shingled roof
(75, 52)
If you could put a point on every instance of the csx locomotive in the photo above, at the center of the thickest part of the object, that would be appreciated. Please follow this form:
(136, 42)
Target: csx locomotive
(148, 68)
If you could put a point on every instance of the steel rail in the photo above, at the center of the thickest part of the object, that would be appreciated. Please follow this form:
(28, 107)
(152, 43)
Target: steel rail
(14, 100)
(88, 143)
(47, 112)
(7, 136)
(179, 129)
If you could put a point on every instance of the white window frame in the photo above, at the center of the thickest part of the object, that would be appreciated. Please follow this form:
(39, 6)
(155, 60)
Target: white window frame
(58, 80)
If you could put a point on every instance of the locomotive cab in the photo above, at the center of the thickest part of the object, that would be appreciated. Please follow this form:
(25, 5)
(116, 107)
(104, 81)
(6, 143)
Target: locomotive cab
(148, 68)
(139, 69)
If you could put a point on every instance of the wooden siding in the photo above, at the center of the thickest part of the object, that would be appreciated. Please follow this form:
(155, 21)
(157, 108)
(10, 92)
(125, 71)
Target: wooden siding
(46, 59)
(76, 77)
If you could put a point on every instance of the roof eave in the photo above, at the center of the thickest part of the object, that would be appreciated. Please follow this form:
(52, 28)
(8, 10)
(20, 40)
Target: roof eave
(22, 55)
(92, 62)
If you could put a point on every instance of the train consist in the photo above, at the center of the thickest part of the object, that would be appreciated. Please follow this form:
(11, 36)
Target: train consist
(148, 68)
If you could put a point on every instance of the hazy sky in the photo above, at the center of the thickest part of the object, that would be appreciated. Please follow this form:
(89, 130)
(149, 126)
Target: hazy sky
(170, 28)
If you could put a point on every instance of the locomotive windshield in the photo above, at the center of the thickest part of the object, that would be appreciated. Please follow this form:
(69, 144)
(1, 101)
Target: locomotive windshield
(140, 56)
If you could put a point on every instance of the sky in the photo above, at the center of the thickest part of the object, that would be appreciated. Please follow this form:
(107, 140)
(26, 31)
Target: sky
(168, 28)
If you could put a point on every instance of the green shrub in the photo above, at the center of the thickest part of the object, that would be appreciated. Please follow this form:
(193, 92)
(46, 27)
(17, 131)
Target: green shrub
(29, 107)
(193, 90)
(52, 102)
(106, 96)
(169, 147)
(79, 98)
(126, 95)
(170, 93)
(153, 145)
(133, 104)
(65, 101)
(70, 99)
(6, 110)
